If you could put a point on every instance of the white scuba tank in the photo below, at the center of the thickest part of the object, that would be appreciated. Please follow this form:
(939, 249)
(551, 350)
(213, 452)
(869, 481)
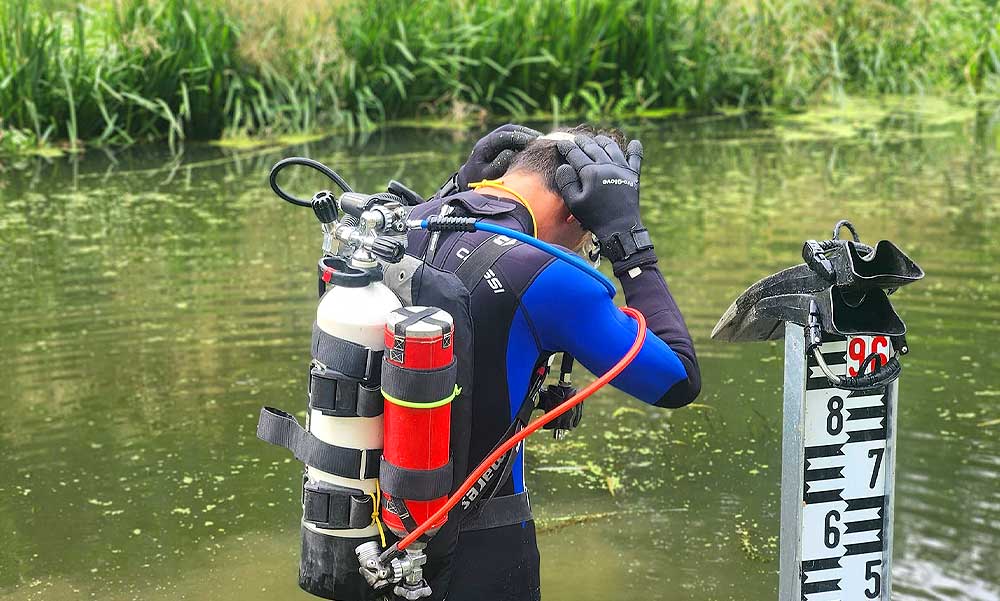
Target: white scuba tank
(352, 314)
(357, 315)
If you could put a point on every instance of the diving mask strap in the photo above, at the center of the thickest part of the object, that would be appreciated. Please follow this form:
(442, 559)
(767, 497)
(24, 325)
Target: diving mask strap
(498, 184)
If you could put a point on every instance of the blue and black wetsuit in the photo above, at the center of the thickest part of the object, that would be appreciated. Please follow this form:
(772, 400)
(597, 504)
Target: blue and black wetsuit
(525, 307)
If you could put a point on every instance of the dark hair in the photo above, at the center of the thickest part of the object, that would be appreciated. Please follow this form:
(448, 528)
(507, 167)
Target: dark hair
(542, 158)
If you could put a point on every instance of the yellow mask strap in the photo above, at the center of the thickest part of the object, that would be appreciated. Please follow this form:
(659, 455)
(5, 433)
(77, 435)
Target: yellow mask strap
(498, 184)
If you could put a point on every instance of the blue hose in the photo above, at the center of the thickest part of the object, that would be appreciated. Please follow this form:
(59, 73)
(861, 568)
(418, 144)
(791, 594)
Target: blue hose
(555, 251)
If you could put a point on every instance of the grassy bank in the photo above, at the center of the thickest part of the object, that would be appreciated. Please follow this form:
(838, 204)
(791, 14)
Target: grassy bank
(134, 70)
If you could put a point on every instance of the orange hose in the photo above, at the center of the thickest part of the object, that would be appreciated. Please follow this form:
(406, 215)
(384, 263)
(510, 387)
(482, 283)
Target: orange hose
(532, 427)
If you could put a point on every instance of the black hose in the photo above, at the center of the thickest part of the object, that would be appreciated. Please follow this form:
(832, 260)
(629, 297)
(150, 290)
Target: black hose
(882, 376)
(305, 162)
(849, 226)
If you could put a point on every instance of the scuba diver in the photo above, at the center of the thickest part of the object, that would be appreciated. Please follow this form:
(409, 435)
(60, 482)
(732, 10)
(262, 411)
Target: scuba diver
(439, 321)
(567, 188)
(437, 325)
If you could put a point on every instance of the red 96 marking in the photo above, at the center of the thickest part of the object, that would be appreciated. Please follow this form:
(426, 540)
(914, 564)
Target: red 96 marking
(858, 349)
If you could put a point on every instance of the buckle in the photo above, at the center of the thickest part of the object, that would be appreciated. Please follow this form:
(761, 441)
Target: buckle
(612, 248)
(334, 507)
(618, 246)
(339, 395)
(373, 367)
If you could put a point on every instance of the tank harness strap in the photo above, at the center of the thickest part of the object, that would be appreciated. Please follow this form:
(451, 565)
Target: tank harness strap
(500, 511)
(416, 485)
(398, 507)
(338, 395)
(424, 387)
(482, 259)
(280, 428)
(344, 378)
(335, 507)
(477, 501)
(346, 357)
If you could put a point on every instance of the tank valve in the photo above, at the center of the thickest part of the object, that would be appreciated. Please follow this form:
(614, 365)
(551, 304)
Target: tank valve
(403, 569)
(376, 573)
(413, 586)
(387, 249)
(324, 205)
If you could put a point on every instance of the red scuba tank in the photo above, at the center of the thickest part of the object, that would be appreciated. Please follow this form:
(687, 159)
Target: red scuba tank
(419, 384)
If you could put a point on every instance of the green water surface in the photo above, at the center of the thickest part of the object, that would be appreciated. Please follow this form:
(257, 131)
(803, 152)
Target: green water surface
(151, 304)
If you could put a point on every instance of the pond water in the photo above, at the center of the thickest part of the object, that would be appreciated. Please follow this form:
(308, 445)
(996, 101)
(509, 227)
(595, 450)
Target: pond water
(151, 304)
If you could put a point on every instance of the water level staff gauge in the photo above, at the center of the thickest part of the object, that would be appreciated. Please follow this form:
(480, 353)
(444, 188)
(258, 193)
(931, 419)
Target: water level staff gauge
(838, 459)
(843, 342)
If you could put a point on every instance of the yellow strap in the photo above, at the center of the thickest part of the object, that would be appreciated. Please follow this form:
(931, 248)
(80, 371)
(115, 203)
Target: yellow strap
(498, 184)
(431, 405)
(377, 497)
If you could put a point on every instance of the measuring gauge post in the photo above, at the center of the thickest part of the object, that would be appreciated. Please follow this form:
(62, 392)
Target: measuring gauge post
(838, 464)
(843, 343)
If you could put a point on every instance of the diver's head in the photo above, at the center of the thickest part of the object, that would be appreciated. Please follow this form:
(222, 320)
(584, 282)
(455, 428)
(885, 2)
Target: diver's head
(532, 172)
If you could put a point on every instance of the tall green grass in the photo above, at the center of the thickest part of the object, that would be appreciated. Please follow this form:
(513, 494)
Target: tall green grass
(116, 73)
(132, 70)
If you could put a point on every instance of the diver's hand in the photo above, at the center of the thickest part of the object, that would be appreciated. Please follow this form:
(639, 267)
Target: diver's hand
(492, 154)
(600, 186)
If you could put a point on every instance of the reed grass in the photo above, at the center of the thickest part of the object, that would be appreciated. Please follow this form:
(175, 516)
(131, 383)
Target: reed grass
(135, 70)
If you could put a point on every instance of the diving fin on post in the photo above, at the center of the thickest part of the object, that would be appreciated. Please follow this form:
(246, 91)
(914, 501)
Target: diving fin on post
(842, 289)
(851, 264)
(743, 320)
(839, 312)
(848, 279)
(872, 316)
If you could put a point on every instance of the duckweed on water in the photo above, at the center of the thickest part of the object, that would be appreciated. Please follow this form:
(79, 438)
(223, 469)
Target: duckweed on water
(731, 200)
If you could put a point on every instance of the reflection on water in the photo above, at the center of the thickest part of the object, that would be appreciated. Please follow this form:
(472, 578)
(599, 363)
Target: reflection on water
(151, 305)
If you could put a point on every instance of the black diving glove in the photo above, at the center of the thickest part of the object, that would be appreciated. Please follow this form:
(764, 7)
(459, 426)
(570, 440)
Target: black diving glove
(600, 186)
(490, 157)
(551, 397)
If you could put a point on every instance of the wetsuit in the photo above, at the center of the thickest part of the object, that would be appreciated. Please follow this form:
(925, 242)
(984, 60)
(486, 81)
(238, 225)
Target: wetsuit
(524, 307)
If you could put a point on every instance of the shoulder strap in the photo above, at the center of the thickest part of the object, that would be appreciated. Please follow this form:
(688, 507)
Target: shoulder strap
(471, 510)
(479, 499)
(482, 259)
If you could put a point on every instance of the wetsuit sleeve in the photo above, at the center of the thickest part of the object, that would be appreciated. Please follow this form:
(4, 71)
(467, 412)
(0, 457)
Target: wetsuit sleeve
(646, 290)
(572, 312)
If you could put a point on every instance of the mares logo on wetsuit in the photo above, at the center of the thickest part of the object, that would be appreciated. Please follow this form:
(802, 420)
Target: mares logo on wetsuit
(483, 481)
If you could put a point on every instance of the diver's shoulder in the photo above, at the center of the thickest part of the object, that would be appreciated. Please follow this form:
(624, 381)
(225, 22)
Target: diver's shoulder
(521, 263)
(525, 253)
(541, 269)
(425, 209)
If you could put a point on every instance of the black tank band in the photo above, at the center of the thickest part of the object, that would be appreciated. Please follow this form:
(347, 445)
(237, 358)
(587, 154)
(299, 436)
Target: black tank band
(416, 485)
(419, 385)
(280, 428)
(346, 357)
